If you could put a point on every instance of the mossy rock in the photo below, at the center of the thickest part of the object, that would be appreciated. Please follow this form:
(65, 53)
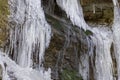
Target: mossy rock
(4, 12)
(70, 75)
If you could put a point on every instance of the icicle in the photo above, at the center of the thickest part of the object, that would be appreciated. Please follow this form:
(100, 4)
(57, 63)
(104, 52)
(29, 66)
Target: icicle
(115, 2)
(116, 35)
(94, 8)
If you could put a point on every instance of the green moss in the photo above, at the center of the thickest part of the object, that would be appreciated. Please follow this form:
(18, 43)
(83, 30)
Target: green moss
(70, 75)
(88, 32)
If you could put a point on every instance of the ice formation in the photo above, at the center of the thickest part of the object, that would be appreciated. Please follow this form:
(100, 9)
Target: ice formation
(29, 36)
(102, 39)
(116, 35)
(74, 11)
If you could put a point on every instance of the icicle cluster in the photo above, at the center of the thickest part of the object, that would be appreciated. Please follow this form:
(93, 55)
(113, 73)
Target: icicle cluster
(29, 37)
(31, 34)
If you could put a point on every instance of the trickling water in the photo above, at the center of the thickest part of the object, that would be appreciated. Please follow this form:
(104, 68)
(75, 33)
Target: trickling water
(28, 39)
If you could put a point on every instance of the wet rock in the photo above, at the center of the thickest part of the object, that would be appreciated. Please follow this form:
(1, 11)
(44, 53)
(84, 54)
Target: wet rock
(65, 47)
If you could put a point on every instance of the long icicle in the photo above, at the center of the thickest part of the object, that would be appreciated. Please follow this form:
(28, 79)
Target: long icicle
(116, 35)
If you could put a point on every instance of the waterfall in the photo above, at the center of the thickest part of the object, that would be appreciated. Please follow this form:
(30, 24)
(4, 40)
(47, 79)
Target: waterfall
(29, 36)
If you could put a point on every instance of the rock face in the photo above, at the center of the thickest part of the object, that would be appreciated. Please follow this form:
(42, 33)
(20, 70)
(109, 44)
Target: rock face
(96, 11)
(67, 44)
(99, 13)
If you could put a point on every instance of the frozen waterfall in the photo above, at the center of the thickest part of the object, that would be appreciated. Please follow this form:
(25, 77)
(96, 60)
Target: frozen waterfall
(101, 39)
(29, 36)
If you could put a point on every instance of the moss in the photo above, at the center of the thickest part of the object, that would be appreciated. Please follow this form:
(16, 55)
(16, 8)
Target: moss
(70, 75)
(4, 12)
(88, 32)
